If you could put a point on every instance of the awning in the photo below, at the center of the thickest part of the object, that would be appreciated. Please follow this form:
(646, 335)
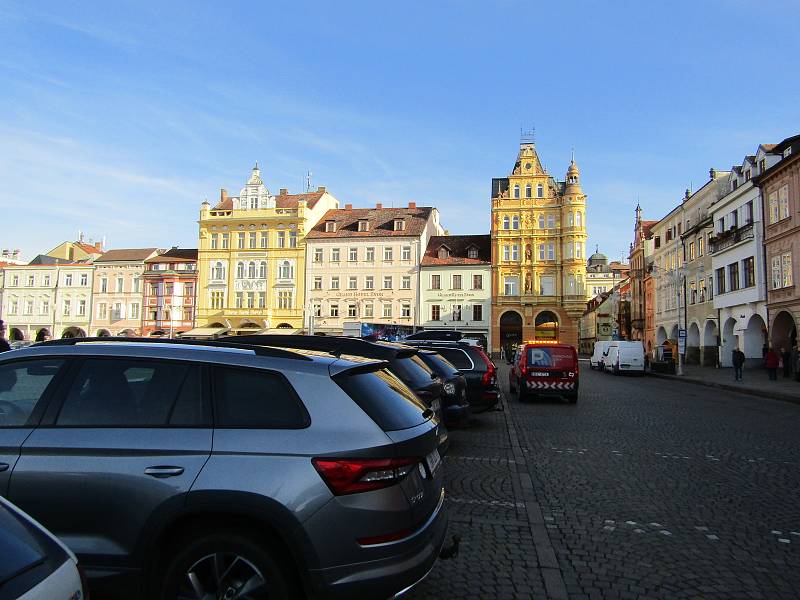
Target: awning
(204, 332)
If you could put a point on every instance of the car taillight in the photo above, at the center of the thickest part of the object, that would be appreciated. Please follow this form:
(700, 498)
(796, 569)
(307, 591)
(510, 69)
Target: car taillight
(490, 376)
(355, 475)
(383, 539)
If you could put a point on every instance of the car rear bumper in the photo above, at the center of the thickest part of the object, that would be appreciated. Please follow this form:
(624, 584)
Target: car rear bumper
(484, 400)
(387, 577)
(551, 388)
(457, 415)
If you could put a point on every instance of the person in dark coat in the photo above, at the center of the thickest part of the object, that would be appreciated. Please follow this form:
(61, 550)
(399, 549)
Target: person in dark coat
(771, 362)
(3, 343)
(786, 357)
(737, 358)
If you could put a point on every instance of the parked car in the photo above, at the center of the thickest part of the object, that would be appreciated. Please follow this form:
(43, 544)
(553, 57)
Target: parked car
(456, 408)
(403, 362)
(34, 564)
(450, 335)
(598, 354)
(185, 469)
(480, 372)
(624, 357)
(547, 369)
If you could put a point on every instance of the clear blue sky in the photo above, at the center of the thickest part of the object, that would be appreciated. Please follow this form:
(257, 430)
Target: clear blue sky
(119, 118)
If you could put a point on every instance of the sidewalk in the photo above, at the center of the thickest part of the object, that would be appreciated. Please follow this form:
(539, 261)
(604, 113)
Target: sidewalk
(755, 381)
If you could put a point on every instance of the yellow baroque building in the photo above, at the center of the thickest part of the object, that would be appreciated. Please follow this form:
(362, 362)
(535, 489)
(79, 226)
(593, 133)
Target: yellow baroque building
(538, 253)
(251, 258)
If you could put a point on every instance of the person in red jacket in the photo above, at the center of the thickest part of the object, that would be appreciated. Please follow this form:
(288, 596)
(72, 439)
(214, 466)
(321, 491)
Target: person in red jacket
(771, 362)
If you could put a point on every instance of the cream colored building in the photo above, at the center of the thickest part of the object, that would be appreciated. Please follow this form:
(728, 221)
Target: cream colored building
(363, 265)
(118, 292)
(251, 257)
(455, 286)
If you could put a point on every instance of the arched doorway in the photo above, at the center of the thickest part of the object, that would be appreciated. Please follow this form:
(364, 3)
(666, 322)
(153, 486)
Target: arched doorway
(693, 344)
(673, 333)
(755, 336)
(729, 342)
(510, 330)
(661, 336)
(784, 331)
(710, 351)
(281, 326)
(103, 333)
(43, 334)
(16, 335)
(250, 326)
(546, 326)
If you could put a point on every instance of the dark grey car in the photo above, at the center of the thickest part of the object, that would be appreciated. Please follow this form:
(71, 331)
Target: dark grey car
(183, 470)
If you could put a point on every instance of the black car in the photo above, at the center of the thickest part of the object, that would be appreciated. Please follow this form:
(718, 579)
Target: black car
(456, 408)
(403, 361)
(480, 372)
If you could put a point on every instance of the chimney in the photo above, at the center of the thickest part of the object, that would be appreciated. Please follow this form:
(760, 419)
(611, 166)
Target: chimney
(283, 192)
(712, 173)
(322, 188)
(379, 205)
(223, 194)
(348, 207)
(412, 205)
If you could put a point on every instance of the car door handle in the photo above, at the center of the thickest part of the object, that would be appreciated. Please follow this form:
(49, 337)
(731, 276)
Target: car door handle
(4, 467)
(161, 472)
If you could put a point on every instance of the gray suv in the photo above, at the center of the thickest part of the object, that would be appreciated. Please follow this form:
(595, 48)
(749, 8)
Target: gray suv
(214, 470)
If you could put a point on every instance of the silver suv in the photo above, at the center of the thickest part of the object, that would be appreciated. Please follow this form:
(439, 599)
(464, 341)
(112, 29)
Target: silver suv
(214, 470)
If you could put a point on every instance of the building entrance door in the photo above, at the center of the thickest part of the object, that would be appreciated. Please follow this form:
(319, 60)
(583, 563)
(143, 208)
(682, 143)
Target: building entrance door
(510, 331)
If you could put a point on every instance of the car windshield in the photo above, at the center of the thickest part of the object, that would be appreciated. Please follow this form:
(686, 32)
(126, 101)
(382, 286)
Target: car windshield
(559, 358)
(414, 373)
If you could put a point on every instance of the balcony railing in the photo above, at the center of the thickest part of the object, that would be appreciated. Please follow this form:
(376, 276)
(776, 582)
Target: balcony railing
(726, 239)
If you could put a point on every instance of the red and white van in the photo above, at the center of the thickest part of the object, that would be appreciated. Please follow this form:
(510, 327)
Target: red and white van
(544, 368)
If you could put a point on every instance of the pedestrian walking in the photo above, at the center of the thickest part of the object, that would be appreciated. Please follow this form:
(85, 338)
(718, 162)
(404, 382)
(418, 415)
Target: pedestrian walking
(786, 358)
(771, 362)
(737, 358)
(3, 343)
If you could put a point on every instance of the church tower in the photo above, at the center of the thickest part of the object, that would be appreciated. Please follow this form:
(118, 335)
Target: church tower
(538, 253)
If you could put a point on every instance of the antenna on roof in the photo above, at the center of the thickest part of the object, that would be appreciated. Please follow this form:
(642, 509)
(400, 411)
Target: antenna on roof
(527, 136)
(308, 182)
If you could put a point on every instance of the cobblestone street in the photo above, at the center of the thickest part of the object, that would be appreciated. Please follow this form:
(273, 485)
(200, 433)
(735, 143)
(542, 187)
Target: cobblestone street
(647, 488)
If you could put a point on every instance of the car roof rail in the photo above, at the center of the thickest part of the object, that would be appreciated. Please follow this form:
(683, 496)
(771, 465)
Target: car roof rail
(332, 344)
(236, 345)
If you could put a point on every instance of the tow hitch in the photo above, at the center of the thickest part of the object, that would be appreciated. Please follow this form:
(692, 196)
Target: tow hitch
(450, 550)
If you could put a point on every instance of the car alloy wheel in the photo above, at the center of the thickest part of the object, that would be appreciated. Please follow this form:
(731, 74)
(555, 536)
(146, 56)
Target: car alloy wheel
(223, 576)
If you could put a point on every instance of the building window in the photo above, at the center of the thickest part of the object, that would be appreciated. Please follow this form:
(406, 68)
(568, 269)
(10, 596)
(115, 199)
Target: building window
(46, 281)
(477, 282)
(240, 270)
(219, 271)
(102, 311)
(28, 310)
(515, 222)
(387, 253)
(217, 300)
(45, 307)
(539, 191)
(436, 282)
(528, 190)
(335, 282)
(506, 252)
(369, 311)
(135, 308)
(318, 282)
(692, 293)
(85, 280)
(370, 255)
(748, 268)
(578, 250)
(286, 270)
(352, 311)
(170, 288)
(262, 299)
(721, 280)
(363, 225)
(292, 239)
(691, 251)
(436, 314)
(335, 255)
(405, 282)
(317, 255)
(252, 239)
(214, 241)
(514, 252)
(240, 239)
(702, 289)
(541, 251)
(510, 286)
(352, 254)
(31, 279)
(68, 279)
(285, 299)
(399, 224)
(700, 246)
(786, 269)
(387, 310)
(477, 312)
(472, 253)
(405, 253)
(783, 201)
(251, 270)
(369, 282)
(226, 241)
(551, 251)
(456, 282)
(551, 221)
(251, 299)
(317, 310)
(569, 220)
(262, 269)
(516, 190)
(239, 299)
(387, 282)
(547, 285)
(281, 239)
(773, 208)
(578, 219)
(405, 310)
(456, 312)
(541, 221)
(352, 283)
(264, 239)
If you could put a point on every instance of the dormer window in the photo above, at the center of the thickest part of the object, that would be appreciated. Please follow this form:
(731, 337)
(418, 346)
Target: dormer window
(747, 175)
(330, 226)
(399, 225)
(444, 252)
(787, 152)
(363, 225)
(472, 252)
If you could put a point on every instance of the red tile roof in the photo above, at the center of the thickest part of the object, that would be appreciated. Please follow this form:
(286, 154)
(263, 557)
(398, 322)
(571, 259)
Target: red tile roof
(458, 246)
(126, 255)
(282, 200)
(380, 220)
(175, 255)
(88, 248)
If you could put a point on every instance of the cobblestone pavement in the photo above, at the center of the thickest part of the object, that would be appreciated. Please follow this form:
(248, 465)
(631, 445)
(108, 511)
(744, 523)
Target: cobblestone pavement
(646, 489)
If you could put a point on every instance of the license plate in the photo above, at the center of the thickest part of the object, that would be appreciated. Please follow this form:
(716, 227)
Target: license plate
(539, 374)
(433, 460)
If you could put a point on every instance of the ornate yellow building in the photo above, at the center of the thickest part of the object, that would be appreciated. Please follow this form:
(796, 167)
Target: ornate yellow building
(251, 258)
(538, 253)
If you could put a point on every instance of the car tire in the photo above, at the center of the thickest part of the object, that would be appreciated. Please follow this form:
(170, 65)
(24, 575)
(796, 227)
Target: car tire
(244, 561)
(512, 388)
(520, 395)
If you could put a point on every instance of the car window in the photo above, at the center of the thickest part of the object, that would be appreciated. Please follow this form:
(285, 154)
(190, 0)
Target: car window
(22, 384)
(458, 357)
(256, 399)
(413, 373)
(439, 364)
(560, 358)
(134, 393)
(386, 399)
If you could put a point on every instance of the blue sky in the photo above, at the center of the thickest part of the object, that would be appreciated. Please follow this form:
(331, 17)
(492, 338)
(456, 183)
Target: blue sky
(119, 118)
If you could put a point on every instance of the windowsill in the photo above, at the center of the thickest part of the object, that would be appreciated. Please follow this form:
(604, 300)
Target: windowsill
(779, 221)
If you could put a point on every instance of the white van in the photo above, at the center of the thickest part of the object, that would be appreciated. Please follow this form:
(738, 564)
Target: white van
(624, 357)
(596, 360)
